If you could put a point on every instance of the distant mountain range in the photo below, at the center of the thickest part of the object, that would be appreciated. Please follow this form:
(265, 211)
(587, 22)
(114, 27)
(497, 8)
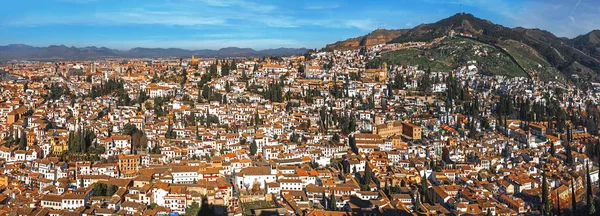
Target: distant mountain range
(577, 56)
(54, 52)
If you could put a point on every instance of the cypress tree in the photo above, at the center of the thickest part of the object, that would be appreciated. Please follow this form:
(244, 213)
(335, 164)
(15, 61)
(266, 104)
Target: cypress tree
(253, 147)
(545, 196)
(367, 174)
(333, 204)
(425, 187)
(588, 184)
(558, 203)
(417, 205)
(573, 198)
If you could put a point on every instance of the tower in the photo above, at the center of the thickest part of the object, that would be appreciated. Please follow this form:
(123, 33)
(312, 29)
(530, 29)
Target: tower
(306, 66)
(93, 67)
(383, 72)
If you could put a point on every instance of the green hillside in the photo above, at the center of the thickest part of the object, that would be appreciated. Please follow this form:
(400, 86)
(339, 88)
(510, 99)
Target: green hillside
(451, 53)
(535, 64)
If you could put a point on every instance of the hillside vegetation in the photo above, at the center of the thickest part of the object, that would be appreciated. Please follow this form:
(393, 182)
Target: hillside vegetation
(451, 53)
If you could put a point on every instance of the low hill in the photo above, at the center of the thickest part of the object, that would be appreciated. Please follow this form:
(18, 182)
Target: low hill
(379, 36)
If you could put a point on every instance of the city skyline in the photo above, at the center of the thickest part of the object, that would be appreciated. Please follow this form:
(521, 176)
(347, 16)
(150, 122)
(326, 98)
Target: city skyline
(209, 24)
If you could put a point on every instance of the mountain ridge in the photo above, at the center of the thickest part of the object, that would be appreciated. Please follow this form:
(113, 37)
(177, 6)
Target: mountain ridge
(63, 52)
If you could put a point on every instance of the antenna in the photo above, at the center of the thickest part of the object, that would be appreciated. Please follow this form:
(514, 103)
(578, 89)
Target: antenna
(461, 10)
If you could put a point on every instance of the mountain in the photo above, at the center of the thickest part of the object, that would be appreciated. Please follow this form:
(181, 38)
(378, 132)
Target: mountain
(576, 56)
(588, 43)
(61, 52)
(378, 36)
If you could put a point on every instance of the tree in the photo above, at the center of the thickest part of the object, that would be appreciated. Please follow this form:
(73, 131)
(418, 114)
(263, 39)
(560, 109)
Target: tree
(368, 174)
(193, 209)
(184, 77)
(228, 87)
(156, 150)
(142, 97)
(588, 194)
(101, 189)
(592, 208)
(558, 203)
(129, 129)
(573, 198)
(417, 205)
(333, 201)
(205, 209)
(23, 141)
(425, 187)
(253, 147)
(545, 196)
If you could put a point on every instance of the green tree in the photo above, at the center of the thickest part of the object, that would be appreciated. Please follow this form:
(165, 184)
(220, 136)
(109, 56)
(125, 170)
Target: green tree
(333, 201)
(228, 87)
(253, 148)
(573, 197)
(129, 129)
(558, 203)
(205, 209)
(588, 194)
(142, 97)
(368, 174)
(23, 141)
(545, 196)
(417, 205)
(425, 187)
(193, 209)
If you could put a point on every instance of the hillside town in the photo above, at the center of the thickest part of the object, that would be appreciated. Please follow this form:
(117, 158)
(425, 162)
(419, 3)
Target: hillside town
(321, 134)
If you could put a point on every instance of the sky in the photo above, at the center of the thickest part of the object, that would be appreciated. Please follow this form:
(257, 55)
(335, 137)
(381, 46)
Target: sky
(263, 24)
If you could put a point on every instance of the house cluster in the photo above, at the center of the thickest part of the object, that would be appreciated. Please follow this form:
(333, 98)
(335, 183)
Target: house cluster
(325, 133)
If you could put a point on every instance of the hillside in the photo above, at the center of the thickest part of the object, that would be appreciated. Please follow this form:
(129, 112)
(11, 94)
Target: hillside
(535, 47)
(452, 52)
(588, 43)
(379, 36)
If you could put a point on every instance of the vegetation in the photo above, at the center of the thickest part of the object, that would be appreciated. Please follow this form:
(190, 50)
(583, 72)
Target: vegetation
(101, 189)
(193, 209)
(81, 142)
(451, 53)
(138, 137)
(56, 91)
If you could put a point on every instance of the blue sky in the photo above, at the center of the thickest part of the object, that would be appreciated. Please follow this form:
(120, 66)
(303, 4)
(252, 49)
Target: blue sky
(260, 24)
